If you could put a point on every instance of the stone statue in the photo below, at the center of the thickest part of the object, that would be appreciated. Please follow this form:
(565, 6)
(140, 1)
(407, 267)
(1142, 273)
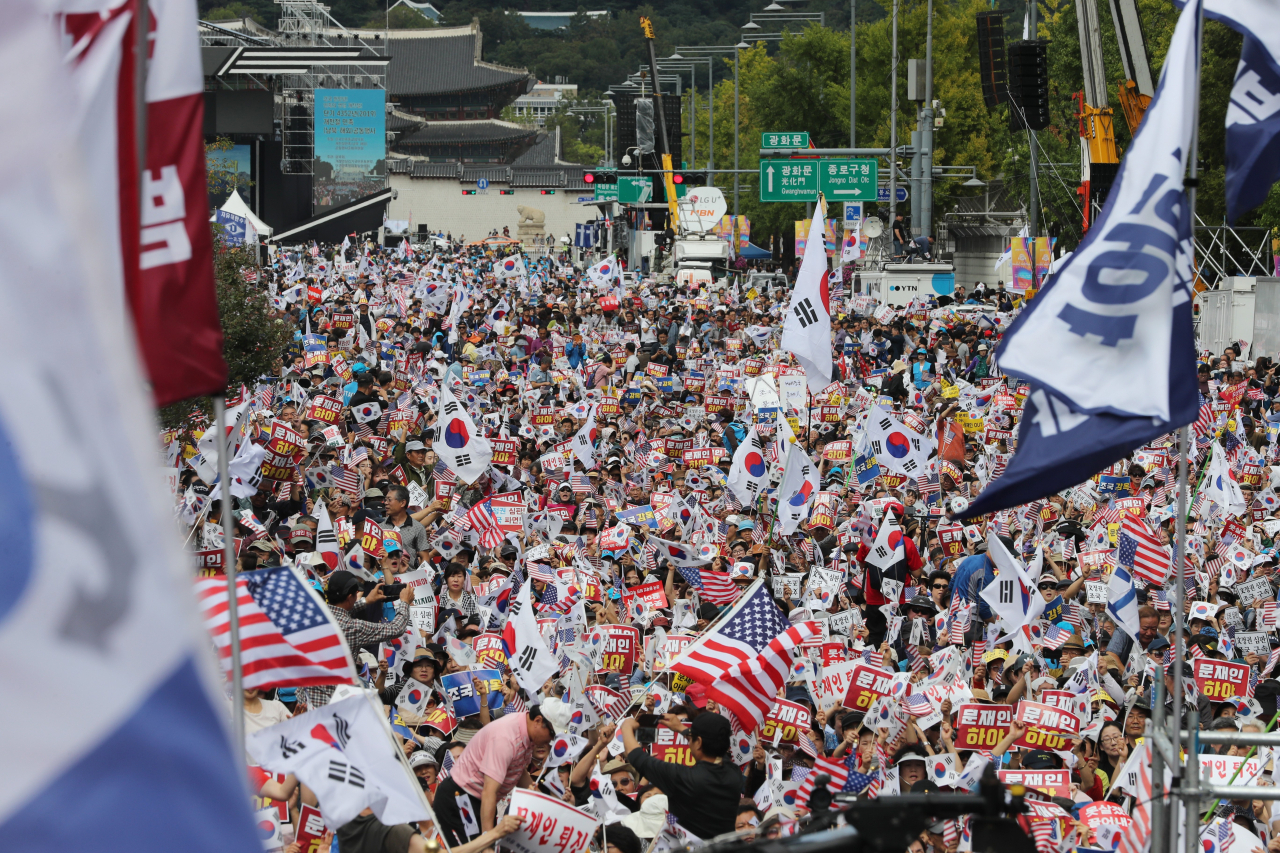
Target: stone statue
(531, 225)
(530, 216)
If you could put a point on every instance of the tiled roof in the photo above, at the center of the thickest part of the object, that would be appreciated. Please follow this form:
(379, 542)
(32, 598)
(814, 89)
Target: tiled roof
(487, 130)
(442, 60)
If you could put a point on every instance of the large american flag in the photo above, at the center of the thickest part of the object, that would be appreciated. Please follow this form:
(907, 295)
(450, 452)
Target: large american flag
(714, 587)
(1142, 551)
(287, 636)
(744, 662)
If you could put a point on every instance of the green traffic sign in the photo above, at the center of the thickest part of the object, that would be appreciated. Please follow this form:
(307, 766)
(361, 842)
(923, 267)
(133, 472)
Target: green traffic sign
(634, 190)
(784, 140)
(606, 192)
(848, 180)
(789, 180)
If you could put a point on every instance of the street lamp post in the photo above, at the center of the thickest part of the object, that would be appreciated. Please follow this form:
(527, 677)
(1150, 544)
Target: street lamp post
(711, 50)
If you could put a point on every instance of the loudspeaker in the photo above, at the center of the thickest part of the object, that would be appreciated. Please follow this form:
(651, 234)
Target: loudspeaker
(991, 61)
(1029, 84)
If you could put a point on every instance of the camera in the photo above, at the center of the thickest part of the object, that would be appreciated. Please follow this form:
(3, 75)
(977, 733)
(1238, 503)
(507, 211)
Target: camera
(392, 590)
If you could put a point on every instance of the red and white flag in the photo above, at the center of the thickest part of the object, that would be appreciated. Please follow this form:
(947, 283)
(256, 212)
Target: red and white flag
(833, 767)
(287, 636)
(162, 261)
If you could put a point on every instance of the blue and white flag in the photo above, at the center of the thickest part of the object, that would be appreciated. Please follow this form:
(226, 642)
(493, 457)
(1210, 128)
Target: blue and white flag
(1108, 345)
(1253, 116)
(1122, 601)
(93, 580)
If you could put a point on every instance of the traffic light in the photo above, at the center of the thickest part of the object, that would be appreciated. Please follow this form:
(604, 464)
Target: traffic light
(548, 192)
(600, 177)
(689, 179)
(468, 192)
(506, 192)
(1028, 70)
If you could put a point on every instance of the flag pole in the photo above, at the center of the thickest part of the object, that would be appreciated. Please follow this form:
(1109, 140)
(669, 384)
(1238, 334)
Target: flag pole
(229, 567)
(1191, 839)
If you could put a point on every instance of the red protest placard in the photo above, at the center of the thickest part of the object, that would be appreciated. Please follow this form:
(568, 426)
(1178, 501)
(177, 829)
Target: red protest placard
(544, 415)
(1077, 704)
(276, 467)
(670, 649)
(310, 829)
(440, 718)
(784, 723)
(655, 369)
(508, 511)
(1038, 715)
(868, 683)
(651, 592)
(506, 451)
(343, 320)
(1095, 815)
(832, 653)
(838, 451)
(982, 726)
(700, 457)
(1055, 783)
(490, 651)
(1219, 680)
(716, 403)
(323, 409)
(672, 748)
(443, 490)
(952, 538)
(622, 644)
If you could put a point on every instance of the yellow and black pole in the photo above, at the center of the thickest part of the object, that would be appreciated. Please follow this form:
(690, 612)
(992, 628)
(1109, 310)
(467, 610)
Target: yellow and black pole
(664, 147)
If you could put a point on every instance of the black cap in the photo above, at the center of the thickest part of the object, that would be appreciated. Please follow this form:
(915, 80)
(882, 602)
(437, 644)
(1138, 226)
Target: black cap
(715, 733)
(341, 584)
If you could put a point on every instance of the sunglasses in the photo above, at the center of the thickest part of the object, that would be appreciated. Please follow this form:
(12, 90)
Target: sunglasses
(941, 585)
(1045, 586)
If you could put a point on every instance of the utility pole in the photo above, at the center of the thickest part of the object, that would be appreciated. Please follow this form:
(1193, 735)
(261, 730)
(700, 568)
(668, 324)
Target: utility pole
(853, 74)
(893, 124)
(737, 52)
(926, 135)
(1033, 201)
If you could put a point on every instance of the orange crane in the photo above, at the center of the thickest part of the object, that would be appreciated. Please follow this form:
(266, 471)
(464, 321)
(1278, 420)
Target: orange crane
(1099, 157)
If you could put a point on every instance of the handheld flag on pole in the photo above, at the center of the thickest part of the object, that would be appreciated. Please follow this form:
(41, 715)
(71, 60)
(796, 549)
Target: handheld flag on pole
(1108, 345)
(806, 332)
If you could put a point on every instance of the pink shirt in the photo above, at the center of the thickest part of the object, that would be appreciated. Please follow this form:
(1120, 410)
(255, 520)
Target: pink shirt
(501, 750)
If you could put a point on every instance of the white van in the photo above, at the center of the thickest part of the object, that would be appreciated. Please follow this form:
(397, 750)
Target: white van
(898, 284)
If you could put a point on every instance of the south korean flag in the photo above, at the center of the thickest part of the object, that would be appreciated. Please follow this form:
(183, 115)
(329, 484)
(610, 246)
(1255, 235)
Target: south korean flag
(366, 412)
(896, 446)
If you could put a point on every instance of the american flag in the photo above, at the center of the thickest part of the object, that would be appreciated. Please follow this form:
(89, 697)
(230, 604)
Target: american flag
(1136, 837)
(287, 636)
(581, 484)
(480, 518)
(917, 705)
(1142, 551)
(745, 661)
(714, 587)
(807, 745)
(1204, 422)
(760, 533)
(347, 480)
(1054, 637)
(446, 765)
(833, 767)
(857, 782)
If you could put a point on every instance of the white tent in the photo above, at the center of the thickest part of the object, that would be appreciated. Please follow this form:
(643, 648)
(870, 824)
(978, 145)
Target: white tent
(236, 205)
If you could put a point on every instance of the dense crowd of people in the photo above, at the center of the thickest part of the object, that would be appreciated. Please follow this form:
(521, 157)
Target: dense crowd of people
(622, 424)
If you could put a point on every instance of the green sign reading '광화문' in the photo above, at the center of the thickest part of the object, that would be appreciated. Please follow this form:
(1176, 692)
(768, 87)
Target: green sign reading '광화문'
(784, 140)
